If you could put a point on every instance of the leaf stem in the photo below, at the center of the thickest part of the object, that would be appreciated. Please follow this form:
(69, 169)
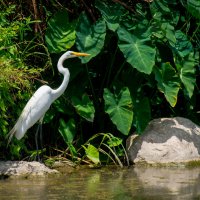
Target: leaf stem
(96, 103)
(197, 29)
(118, 72)
(111, 66)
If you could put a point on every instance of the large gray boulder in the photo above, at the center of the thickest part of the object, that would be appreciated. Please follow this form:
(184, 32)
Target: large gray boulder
(166, 141)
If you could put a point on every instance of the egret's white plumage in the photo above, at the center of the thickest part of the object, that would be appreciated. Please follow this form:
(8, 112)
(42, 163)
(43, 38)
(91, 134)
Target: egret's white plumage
(41, 100)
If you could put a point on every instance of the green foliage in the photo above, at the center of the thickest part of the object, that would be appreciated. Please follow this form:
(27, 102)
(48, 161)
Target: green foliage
(60, 36)
(109, 147)
(136, 52)
(16, 77)
(84, 107)
(168, 82)
(90, 37)
(68, 132)
(187, 74)
(14, 73)
(109, 14)
(193, 7)
(120, 109)
(92, 153)
(12, 78)
(182, 45)
(143, 65)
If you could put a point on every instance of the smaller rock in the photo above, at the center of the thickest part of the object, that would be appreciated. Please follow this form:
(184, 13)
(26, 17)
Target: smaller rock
(64, 167)
(166, 141)
(24, 168)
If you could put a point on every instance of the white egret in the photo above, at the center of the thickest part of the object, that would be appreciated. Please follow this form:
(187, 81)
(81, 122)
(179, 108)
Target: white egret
(41, 100)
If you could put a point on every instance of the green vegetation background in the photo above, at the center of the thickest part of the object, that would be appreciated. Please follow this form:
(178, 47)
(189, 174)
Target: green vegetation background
(144, 64)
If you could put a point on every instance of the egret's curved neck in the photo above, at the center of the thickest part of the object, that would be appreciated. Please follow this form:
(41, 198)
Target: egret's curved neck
(60, 90)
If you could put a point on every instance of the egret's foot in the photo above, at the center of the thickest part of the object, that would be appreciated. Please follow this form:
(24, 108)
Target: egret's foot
(39, 156)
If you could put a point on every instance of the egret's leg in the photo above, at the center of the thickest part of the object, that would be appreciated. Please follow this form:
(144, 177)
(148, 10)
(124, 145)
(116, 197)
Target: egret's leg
(41, 141)
(39, 130)
(36, 142)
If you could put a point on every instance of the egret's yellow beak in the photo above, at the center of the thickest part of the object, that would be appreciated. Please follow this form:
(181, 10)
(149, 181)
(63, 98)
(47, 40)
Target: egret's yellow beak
(80, 54)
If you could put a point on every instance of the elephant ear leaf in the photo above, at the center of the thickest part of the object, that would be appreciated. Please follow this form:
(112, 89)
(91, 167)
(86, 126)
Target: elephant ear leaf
(92, 153)
(193, 7)
(90, 37)
(183, 46)
(187, 74)
(84, 107)
(120, 109)
(168, 82)
(109, 14)
(60, 34)
(136, 51)
(68, 132)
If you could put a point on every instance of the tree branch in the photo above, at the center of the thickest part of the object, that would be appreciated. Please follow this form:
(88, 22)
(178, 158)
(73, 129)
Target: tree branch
(124, 5)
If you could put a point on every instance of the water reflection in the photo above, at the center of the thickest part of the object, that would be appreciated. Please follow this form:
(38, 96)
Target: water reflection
(108, 183)
(175, 183)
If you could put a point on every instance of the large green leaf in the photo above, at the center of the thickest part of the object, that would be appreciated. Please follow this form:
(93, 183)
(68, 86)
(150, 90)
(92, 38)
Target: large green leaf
(109, 14)
(194, 8)
(183, 46)
(84, 107)
(136, 51)
(160, 9)
(164, 30)
(92, 153)
(187, 74)
(67, 130)
(120, 109)
(168, 82)
(159, 5)
(164, 19)
(168, 31)
(60, 34)
(90, 37)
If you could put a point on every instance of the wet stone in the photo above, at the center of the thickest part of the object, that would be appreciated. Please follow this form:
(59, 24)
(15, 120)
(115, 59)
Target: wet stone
(24, 168)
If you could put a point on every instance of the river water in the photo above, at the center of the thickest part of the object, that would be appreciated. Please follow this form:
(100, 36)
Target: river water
(108, 183)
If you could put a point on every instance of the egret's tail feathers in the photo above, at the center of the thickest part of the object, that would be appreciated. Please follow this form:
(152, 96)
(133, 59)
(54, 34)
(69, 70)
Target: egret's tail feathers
(10, 135)
(18, 130)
